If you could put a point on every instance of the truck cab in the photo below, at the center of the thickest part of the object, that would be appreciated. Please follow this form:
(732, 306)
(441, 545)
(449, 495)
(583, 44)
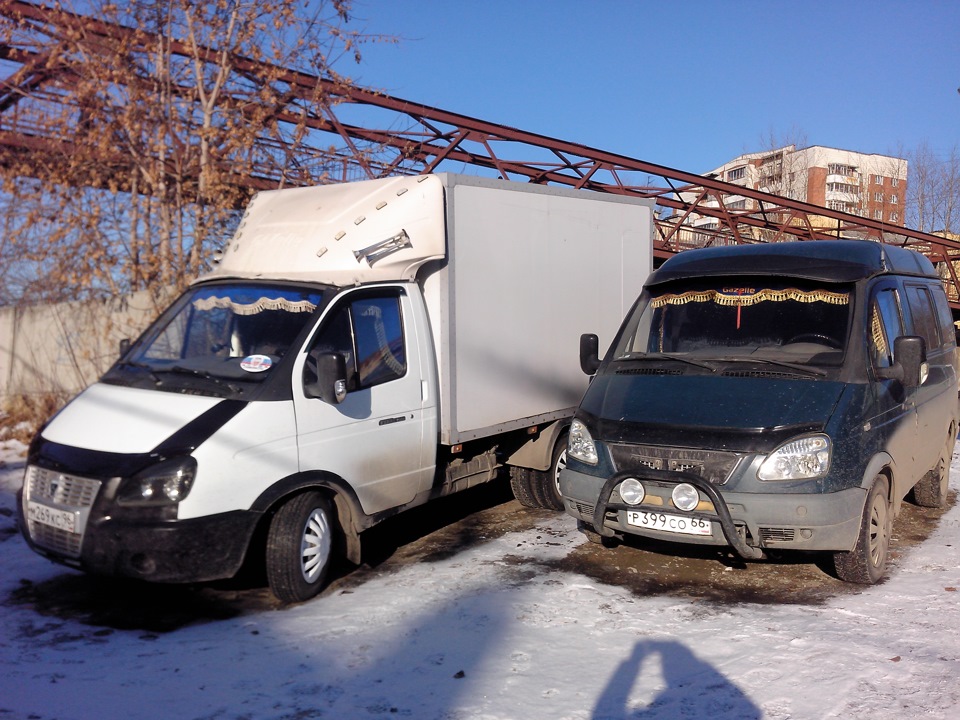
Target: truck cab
(771, 397)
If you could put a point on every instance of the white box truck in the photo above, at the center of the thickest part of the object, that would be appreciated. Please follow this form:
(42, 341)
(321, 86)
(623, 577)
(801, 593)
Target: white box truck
(358, 350)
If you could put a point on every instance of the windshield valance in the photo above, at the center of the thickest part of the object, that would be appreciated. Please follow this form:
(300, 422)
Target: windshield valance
(801, 322)
(747, 296)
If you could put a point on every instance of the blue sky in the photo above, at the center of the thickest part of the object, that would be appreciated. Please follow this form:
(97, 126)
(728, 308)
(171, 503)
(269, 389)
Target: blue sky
(685, 84)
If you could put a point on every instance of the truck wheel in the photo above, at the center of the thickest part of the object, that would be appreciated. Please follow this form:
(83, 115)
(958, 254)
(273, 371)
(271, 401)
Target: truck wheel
(300, 547)
(931, 491)
(521, 486)
(546, 485)
(866, 563)
(541, 488)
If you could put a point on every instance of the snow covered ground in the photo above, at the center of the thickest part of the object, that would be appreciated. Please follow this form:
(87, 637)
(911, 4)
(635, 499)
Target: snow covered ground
(480, 635)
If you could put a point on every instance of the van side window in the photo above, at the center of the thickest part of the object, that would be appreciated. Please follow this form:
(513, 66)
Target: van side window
(885, 327)
(369, 333)
(945, 315)
(922, 315)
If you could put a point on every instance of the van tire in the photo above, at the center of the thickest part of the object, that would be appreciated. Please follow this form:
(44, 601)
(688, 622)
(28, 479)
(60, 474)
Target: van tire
(300, 547)
(594, 537)
(867, 562)
(541, 488)
(931, 491)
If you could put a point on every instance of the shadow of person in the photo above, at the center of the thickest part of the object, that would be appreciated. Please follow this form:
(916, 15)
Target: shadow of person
(690, 688)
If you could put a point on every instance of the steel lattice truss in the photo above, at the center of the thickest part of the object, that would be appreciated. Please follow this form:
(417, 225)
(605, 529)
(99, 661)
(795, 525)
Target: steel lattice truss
(357, 133)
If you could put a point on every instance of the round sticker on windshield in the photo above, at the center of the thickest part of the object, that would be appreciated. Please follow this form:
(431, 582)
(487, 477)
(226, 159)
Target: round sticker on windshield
(256, 363)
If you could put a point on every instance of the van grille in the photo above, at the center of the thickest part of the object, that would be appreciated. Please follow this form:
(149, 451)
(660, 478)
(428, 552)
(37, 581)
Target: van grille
(584, 509)
(64, 492)
(715, 466)
(777, 535)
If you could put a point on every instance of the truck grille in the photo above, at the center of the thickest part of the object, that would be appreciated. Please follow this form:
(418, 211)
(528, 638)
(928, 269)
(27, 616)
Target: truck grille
(715, 466)
(60, 492)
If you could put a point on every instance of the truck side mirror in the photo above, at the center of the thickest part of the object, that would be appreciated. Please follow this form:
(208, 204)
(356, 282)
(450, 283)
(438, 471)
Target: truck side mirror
(329, 381)
(909, 361)
(589, 353)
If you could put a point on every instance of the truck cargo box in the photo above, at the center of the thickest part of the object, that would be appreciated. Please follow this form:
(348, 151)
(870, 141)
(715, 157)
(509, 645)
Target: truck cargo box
(529, 269)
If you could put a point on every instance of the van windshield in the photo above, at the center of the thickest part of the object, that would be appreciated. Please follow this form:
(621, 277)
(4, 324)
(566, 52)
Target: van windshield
(788, 321)
(235, 332)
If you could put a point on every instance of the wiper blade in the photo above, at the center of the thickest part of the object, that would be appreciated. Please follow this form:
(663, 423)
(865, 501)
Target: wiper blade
(140, 366)
(204, 375)
(806, 369)
(671, 356)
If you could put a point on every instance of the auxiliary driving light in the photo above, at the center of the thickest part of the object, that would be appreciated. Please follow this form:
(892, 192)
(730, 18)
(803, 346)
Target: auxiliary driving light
(631, 491)
(685, 496)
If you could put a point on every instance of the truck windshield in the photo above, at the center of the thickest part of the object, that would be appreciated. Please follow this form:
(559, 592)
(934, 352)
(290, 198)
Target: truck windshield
(788, 321)
(232, 332)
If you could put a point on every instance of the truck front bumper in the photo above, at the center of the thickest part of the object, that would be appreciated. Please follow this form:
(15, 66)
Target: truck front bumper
(748, 522)
(166, 551)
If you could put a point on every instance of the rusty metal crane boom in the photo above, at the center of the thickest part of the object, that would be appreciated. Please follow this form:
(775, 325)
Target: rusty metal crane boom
(368, 134)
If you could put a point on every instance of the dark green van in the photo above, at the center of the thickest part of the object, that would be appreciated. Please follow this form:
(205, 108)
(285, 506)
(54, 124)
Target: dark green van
(771, 397)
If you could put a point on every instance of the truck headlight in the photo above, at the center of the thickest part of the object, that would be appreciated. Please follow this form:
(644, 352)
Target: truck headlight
(165, 483)
(580, 444)
(802, 458)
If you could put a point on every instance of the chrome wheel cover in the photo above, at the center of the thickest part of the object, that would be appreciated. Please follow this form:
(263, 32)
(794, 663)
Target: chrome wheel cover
(879, 538)
(315, 545)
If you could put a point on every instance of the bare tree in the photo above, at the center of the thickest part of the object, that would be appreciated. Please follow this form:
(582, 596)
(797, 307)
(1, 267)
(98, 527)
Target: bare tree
(933, 200)
(783, 171)
(156, 128)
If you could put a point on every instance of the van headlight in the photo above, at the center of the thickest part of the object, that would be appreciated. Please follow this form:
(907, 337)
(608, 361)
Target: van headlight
(580, 444)
(165, 483)
(802, 458)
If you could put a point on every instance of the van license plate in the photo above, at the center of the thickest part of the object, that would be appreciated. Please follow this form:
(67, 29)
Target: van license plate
(52, 517)
(669, 523)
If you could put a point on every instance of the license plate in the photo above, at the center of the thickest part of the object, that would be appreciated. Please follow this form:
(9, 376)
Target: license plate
(52, 517)
(669, 523)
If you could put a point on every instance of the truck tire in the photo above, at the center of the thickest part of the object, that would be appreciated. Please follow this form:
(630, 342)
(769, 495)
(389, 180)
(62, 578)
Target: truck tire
(300, 547)
(931, 491)
(541, 488)
(521, 487)
(867, 562)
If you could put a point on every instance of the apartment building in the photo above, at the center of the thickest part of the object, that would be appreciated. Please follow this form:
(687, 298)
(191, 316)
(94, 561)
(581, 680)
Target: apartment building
(868, 185)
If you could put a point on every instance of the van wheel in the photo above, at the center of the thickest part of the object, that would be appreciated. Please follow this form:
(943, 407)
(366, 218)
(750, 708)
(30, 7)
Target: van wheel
(300, 547)
(867, 562)
(594, 537)
(931, 491)
(541, 488)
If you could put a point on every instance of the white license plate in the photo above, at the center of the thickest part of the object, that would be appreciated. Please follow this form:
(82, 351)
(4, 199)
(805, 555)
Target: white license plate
(53, 517)
(669, 523)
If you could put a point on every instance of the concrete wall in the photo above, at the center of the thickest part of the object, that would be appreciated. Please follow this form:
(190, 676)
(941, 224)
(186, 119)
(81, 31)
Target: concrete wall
(63, 348)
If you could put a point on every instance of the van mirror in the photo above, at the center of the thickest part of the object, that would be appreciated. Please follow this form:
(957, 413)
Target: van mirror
(124, 346)
(909, 361)
(327, 380)
(589, 353)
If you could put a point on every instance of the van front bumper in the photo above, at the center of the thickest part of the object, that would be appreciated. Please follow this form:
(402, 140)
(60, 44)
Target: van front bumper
(748, 522)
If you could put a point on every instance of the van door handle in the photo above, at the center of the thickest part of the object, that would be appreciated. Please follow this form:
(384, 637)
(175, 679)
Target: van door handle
(391, 421)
